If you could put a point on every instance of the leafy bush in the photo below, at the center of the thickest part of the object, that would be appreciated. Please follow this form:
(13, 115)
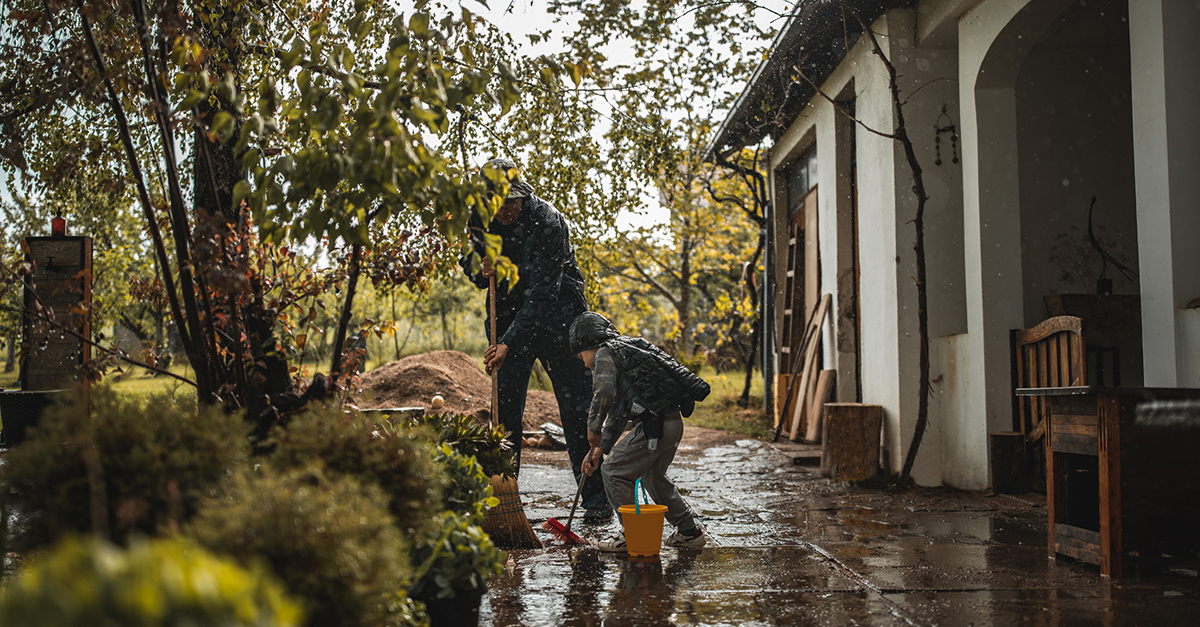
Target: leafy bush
(350, 444)
(487, 445)
(329, 538)
(156, 583)
(456, 557)
(468, 491)
(692, 362)
(155, 459)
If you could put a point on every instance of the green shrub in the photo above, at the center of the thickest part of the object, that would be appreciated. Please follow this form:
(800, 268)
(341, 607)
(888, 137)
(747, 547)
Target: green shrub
(487, 445)
(350, 444)
(156, 461)
(456, 557)
(155, 583)
(692, 362)
(468, 491)
(329, 538)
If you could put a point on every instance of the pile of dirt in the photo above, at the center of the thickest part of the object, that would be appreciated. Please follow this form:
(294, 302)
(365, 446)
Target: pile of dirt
(466, 388)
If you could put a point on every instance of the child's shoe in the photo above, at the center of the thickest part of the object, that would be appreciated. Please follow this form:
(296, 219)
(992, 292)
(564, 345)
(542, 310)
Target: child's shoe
(613, 544)
(687, 541)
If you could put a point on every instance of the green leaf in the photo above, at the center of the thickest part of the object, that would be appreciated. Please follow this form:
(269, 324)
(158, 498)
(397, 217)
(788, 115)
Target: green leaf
(418, 24)
(190, 100)
(241, 190)
(292, 56)
(250, 159)
(226, 87)
(222, 127)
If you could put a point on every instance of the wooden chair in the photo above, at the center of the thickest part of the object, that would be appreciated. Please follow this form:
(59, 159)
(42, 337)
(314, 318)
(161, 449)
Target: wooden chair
(1052, 354)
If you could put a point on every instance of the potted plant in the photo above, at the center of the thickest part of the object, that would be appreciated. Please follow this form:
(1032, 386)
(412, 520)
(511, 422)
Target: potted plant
(453, 569)
(1084, 259)
(455, 558)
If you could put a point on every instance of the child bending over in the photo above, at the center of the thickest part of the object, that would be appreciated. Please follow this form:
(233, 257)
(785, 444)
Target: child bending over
(633, 379)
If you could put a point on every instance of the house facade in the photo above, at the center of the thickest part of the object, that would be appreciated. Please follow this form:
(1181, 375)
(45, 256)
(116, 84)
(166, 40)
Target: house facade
(1046, 131)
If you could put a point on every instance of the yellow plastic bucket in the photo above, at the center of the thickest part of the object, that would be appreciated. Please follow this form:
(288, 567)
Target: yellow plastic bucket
(643, 526)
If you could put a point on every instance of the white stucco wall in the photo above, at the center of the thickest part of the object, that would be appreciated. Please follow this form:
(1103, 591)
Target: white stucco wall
(993, 38)
(961, 452)
(921, 72)
(877, 225)
(887, 302)
(1028, 119)
(1165, 57)
(1189, 331)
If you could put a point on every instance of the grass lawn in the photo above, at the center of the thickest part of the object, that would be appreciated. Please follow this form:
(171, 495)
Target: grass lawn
(720, 410)
(8, 380)
(133, 381)
(141, 383)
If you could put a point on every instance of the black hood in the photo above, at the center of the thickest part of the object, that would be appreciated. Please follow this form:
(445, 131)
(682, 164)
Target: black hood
(590, 330)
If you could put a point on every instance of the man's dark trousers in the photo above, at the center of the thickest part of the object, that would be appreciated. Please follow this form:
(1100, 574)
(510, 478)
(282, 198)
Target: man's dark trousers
(572, 387)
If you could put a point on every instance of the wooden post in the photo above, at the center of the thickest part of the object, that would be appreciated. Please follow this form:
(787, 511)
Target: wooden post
(814, 429)
(782, 387)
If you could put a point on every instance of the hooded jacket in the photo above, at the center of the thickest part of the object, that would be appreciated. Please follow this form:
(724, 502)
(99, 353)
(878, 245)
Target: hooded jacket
(660, 384)
(549, 294)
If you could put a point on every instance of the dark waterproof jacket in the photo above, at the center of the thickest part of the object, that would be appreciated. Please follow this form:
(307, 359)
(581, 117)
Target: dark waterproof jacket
(549, 294)
(662, 385)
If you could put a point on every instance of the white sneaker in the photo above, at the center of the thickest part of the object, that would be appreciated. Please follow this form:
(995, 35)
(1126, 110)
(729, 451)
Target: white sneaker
(613, 544)
(683, 541)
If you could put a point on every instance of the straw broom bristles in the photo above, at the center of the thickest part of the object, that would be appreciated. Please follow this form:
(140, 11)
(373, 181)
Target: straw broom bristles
(506, 522)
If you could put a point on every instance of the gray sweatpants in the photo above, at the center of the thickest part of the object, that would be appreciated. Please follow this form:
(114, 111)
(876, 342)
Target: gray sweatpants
(631, 459)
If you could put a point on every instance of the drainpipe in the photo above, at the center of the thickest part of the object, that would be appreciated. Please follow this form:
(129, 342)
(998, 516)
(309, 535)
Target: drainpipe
(768, 296)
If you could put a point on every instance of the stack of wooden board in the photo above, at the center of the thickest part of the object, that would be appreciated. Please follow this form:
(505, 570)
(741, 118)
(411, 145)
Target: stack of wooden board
(807, 387)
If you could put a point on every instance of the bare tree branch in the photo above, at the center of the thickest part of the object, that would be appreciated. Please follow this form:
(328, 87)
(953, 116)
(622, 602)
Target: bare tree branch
(837, 105)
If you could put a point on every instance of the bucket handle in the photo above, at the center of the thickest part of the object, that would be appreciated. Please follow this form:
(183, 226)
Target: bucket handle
(638, 489)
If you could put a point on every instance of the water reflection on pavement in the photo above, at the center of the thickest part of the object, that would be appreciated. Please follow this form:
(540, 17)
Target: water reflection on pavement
(790, 547)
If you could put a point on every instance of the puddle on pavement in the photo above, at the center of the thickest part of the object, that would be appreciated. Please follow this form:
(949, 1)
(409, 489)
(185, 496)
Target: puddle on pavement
(788, 546)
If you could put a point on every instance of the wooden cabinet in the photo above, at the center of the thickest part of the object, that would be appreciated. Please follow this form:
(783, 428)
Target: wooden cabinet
(1116, 489)
(58, 300)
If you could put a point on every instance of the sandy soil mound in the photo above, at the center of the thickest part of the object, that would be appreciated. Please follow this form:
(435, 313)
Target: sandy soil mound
(467, 389)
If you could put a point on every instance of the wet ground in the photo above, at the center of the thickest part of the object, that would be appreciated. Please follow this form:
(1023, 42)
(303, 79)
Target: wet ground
(790, 547)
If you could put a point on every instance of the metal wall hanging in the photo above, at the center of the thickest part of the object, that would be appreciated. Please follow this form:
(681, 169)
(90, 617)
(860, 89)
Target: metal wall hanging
(937, 139)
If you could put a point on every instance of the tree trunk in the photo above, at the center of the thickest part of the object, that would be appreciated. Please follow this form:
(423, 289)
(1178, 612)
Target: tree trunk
(11, 361)
(683, 307)
(395, 338)
(447, 340)
(339, 340)
(756, 336)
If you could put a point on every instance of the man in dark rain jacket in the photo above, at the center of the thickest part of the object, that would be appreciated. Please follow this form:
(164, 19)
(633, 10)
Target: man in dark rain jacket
(533, 318)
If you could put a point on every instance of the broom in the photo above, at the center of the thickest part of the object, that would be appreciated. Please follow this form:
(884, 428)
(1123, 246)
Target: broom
(506, 522)
(564, 532)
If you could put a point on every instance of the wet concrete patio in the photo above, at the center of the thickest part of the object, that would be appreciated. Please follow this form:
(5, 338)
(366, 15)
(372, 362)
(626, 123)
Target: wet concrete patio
(790, 547)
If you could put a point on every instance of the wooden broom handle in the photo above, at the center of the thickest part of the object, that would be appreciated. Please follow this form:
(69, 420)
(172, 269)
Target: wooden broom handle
(492, 342)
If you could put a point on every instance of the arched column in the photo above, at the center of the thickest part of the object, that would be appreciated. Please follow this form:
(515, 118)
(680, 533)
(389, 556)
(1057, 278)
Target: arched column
(994, 39)
(1164, 39)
